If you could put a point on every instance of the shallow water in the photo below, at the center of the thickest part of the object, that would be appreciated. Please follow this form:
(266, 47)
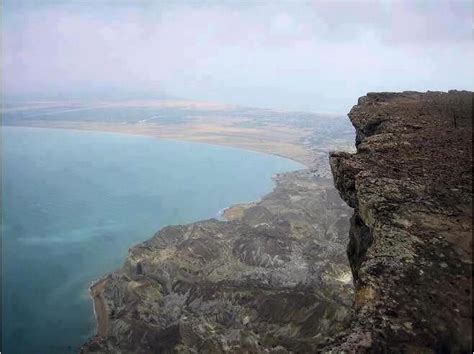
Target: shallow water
(74, 202)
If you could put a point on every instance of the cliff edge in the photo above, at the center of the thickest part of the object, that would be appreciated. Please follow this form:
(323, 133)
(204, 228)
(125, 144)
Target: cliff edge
(410, 246)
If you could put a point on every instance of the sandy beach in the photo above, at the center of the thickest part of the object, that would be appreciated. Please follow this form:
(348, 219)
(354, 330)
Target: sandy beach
(100, 308)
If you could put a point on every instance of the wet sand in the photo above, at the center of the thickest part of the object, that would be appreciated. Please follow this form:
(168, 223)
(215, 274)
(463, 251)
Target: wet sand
(100, 308)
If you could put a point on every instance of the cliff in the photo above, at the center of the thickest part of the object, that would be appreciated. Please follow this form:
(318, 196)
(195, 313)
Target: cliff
(410, 242)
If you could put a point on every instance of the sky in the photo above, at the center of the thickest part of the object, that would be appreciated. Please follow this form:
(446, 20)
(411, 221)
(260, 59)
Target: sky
(297, 55)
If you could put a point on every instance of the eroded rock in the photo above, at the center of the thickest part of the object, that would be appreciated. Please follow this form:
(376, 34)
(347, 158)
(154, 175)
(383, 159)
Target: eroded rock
(275, 280)
(410, 248)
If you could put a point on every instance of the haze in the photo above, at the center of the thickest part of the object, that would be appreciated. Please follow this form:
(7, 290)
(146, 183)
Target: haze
(296, 55)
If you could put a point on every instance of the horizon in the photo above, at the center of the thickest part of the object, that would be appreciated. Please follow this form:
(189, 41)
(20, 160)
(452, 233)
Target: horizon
(298, 56)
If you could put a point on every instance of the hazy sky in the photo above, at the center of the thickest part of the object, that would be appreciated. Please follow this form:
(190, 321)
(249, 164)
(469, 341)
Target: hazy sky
(299, 55)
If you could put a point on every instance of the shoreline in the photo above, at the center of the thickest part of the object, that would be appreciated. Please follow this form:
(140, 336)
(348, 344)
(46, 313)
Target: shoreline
(335, 278)
(99, 307)
(97, 286)
(306, 164)
(230, 213)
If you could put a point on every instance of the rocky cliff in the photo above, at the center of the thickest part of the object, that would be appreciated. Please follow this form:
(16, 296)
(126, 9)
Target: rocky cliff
(410, 244)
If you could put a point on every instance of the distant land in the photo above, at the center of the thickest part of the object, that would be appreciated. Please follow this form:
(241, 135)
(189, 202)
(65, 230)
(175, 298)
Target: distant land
(301, 136)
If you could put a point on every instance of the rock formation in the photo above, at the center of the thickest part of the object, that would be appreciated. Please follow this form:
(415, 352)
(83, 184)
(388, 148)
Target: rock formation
(410, 247)
(275, 279)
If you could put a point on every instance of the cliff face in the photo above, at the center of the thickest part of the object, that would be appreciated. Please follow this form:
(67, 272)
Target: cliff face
(410, 246)
(275, 279)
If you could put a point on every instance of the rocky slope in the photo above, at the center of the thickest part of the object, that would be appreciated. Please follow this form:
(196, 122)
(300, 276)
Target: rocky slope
(410, 247)
(274, 279)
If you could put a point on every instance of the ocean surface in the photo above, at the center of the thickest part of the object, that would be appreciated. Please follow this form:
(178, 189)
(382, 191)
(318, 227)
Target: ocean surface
(74, 202)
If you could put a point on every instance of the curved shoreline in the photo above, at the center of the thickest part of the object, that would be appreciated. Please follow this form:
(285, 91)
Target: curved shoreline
(304, 163)
(102, 311)
(97, 286)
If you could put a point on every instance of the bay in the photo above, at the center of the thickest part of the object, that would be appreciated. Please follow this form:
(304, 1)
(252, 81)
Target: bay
(73, 202)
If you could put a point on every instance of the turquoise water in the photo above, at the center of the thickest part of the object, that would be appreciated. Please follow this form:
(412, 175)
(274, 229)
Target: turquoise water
(74, 202)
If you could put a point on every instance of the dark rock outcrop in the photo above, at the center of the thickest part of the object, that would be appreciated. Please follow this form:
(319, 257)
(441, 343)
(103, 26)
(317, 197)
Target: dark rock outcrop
(410, 248)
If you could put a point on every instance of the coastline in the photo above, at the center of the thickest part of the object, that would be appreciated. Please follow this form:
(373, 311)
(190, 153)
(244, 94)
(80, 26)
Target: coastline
(99, 306)
(231, 213)
(98, 291)
(291, 153)
(144, 276)
(228, 214)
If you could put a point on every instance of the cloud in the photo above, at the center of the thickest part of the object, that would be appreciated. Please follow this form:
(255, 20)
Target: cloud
(296, 55)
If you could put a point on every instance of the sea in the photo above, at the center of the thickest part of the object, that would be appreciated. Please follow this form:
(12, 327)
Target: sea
(74, 202)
